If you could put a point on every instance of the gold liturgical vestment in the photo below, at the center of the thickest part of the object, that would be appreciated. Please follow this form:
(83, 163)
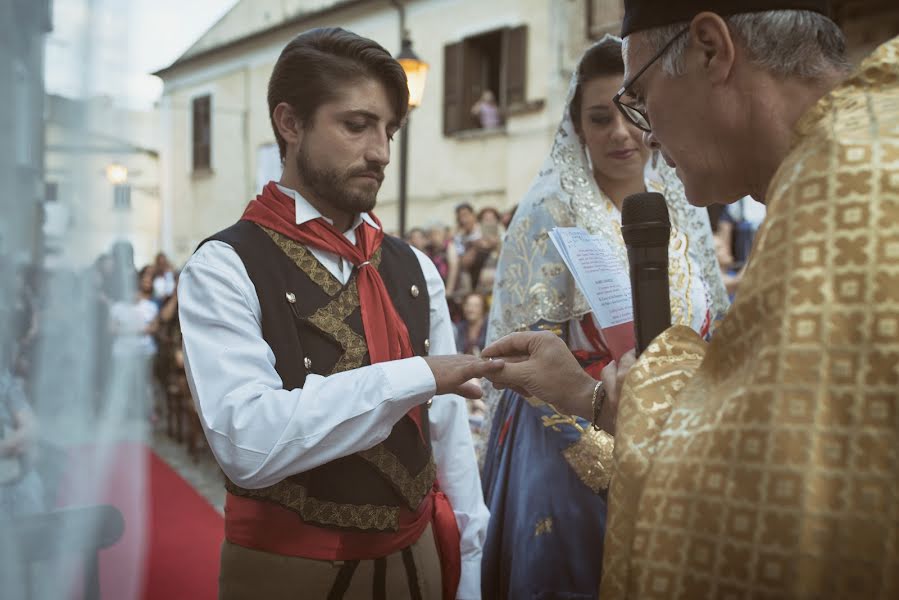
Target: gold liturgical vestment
(766, 463)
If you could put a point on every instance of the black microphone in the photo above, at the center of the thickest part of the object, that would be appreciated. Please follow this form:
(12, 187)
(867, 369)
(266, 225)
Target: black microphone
(646, 231)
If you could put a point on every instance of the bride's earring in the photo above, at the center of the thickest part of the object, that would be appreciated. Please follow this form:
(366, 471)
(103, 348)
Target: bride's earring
(589, 158)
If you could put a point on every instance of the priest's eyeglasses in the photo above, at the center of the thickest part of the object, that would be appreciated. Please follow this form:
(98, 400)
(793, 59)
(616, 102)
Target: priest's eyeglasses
(637, 114)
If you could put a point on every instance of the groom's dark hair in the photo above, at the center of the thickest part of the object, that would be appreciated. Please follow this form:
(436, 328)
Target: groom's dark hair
(314, 65)
(601, 59)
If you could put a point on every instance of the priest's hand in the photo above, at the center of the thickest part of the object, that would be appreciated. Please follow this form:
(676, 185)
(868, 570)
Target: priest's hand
(539, 364)
(453, 373)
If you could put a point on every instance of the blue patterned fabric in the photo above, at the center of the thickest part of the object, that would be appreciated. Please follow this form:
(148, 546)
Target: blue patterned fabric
(546, 529)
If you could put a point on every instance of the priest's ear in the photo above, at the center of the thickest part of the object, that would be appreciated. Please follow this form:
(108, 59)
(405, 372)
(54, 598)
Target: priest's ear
(711, 46)
(289, 126)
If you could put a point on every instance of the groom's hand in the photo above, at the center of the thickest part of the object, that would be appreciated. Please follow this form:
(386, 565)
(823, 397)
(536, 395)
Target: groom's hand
(540, 364)
(453, 373)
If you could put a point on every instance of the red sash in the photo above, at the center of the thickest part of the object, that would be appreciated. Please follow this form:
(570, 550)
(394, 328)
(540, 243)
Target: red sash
(268, 527)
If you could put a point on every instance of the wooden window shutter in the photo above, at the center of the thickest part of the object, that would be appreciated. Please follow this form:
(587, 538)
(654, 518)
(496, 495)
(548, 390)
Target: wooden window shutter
(453, 88)
(202, 133)
(514, 66)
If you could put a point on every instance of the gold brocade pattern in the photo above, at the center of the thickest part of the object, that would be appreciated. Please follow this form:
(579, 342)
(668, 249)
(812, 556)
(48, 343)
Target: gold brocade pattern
(769, 468)
(544, 526)
(591, 458)
(360, 516)
(304, 259)
(412, 489)
(293, 496)
(331, 319)
(306, 262)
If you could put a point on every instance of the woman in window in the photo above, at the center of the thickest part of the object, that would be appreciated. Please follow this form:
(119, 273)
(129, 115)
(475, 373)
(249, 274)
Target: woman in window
(541, 482)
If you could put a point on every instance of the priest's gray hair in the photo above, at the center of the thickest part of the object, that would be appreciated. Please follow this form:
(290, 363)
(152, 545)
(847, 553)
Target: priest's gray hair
(787, 43)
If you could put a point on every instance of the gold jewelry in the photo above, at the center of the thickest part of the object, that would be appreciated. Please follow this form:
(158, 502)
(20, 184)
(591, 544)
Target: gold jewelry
(599, 398)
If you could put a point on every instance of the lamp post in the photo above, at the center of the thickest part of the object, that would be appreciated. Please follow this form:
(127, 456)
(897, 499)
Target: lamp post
(117, 174)
(416, 75)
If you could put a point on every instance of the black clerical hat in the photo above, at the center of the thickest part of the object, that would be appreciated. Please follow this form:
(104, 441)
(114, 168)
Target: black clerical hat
(648, 14)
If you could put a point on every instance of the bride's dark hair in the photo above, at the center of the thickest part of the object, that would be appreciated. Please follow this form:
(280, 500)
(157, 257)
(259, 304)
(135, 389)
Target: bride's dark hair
(600, 60)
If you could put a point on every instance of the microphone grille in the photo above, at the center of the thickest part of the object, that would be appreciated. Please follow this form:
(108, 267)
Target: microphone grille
(644, 220)
(645, 207)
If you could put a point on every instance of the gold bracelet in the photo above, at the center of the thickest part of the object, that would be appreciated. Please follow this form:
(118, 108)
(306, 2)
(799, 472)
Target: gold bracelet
(597, 406)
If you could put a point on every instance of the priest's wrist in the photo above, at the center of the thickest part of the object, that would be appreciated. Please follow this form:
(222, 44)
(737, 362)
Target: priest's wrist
(605, 412)
(582, 396)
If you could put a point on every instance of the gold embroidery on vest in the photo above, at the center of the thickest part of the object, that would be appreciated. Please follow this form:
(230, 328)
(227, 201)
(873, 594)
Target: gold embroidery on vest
(293, 496)
(331, 319)
(306, 262)
(360, 516)
(412, 489)
(304, 259)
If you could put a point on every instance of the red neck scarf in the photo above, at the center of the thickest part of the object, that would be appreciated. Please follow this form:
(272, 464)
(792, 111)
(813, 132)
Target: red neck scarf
(385, 332)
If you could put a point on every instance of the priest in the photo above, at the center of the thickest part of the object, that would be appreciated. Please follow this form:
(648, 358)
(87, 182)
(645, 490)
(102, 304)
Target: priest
(765, 463)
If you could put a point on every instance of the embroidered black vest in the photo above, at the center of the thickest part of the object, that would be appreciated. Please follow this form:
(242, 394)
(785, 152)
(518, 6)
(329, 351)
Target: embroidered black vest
(313, 324)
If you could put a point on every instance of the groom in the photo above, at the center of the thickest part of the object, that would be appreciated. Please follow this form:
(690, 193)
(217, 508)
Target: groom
(307, 335)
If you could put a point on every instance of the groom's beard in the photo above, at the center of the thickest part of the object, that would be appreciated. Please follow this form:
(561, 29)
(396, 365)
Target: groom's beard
(334, 187)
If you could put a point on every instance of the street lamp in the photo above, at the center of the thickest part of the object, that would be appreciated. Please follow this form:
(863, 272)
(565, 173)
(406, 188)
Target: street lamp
(416, 72)
(116, 174)
(416, 75)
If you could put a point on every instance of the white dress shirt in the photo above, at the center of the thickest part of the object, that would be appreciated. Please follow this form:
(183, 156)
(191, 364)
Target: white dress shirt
(261, 433)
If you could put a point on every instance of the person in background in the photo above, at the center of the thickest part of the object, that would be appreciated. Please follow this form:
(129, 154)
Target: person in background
(737, 226)
(467, 229)
(468, 232)
(163, 279)
(21, 490)
(100, 274)
(25, 318)
(123, 273)
(729, 273)
(417, 238)
(471, 331)
(489, 246)
(485, 111)
(133, 327)
(168, 339)
(471, 336)
(134, 323)
(442, 251)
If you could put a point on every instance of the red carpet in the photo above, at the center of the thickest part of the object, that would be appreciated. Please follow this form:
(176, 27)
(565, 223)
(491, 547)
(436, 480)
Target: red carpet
(170, 547)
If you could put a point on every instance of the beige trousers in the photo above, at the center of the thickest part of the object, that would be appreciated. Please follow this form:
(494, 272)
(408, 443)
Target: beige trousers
(412, 573)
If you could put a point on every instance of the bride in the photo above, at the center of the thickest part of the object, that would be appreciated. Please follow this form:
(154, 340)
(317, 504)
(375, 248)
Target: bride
(546, 494)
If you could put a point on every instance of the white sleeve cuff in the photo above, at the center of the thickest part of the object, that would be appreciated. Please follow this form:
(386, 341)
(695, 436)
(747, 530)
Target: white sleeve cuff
(409, 379)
